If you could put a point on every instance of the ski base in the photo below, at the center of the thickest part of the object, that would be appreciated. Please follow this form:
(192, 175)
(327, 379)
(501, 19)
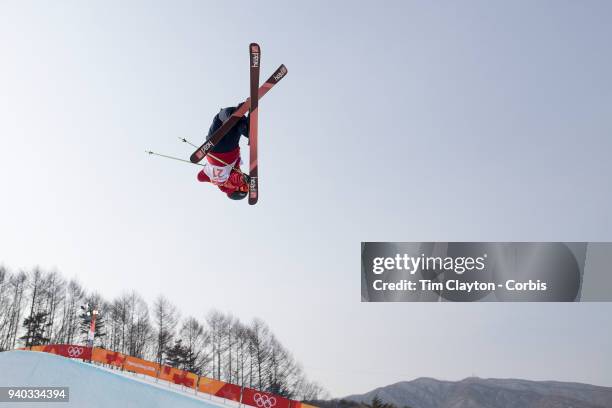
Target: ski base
(243, 108)
(255, 60)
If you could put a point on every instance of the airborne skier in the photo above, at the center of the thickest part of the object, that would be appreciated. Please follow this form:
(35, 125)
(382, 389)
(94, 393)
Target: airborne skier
(222, 164)
(222, 149)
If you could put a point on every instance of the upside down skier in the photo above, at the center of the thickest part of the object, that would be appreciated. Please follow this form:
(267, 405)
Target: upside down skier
(222, 164)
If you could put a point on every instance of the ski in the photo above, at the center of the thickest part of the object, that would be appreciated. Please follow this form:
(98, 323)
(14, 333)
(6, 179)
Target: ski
(203, 150)
(255, 58)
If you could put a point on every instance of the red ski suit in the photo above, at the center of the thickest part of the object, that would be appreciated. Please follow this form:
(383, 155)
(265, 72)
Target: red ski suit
(220, 170)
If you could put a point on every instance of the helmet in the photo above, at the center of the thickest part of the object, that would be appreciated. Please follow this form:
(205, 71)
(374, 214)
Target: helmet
(237, 195)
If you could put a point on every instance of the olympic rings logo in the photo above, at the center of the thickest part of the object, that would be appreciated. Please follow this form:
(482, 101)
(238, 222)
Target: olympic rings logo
(75, 352)
(264, 401)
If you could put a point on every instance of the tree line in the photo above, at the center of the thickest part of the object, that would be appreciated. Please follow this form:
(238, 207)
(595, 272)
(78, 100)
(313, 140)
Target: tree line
(377, 402)
(42, 307)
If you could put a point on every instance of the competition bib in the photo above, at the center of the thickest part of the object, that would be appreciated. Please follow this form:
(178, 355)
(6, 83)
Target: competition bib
(218, 174)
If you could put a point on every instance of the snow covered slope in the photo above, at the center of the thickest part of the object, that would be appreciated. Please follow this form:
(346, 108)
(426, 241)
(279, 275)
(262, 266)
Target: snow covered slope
(90, 386)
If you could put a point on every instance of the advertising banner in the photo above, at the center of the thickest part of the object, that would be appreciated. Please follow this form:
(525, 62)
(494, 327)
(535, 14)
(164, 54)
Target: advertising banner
(108, 357)
(178, 376)
(298, 404)
(229, 391)
(68, 350)
(262, 399)
(209, 385)
(140, 366)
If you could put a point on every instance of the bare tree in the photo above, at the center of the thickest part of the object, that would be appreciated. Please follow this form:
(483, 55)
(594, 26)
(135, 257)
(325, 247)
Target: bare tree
(68, 331)
(117, 324)
(259, 336)
(46, 291)
(55, 291)
(283, 371)
(14, 295)
(165, 320)
(5, 306)
(216, 321)
(5, 276)
(230, 333)
(193, 339)
(310, 391)
(242, 353)
(141, 331)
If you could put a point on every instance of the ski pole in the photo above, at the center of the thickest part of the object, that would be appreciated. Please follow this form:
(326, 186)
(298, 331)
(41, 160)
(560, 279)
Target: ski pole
(172, 157)
(182, 139)
(187, 161)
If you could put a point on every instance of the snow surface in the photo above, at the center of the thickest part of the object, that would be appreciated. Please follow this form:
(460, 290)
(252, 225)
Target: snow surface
(92, 386)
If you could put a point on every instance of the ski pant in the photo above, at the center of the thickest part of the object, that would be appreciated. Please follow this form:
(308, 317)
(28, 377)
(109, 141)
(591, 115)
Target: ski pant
(232, 138)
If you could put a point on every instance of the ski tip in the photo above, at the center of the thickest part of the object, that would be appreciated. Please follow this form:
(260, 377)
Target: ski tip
(195, 158)
(279, 74)
(253, 190)
(254, 47)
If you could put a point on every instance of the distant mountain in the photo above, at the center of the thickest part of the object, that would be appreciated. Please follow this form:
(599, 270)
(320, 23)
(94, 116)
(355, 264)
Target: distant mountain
(481, 393)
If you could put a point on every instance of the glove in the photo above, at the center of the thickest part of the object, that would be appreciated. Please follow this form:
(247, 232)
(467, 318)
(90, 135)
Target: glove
(235, 182)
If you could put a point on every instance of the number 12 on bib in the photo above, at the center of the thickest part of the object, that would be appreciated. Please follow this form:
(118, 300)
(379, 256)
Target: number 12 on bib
(255, 59)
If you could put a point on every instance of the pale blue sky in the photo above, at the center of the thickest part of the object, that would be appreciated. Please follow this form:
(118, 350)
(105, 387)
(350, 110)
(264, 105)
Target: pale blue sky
(412, 121)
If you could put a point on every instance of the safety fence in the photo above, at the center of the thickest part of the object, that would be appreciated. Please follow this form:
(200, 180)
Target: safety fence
(237, 393)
